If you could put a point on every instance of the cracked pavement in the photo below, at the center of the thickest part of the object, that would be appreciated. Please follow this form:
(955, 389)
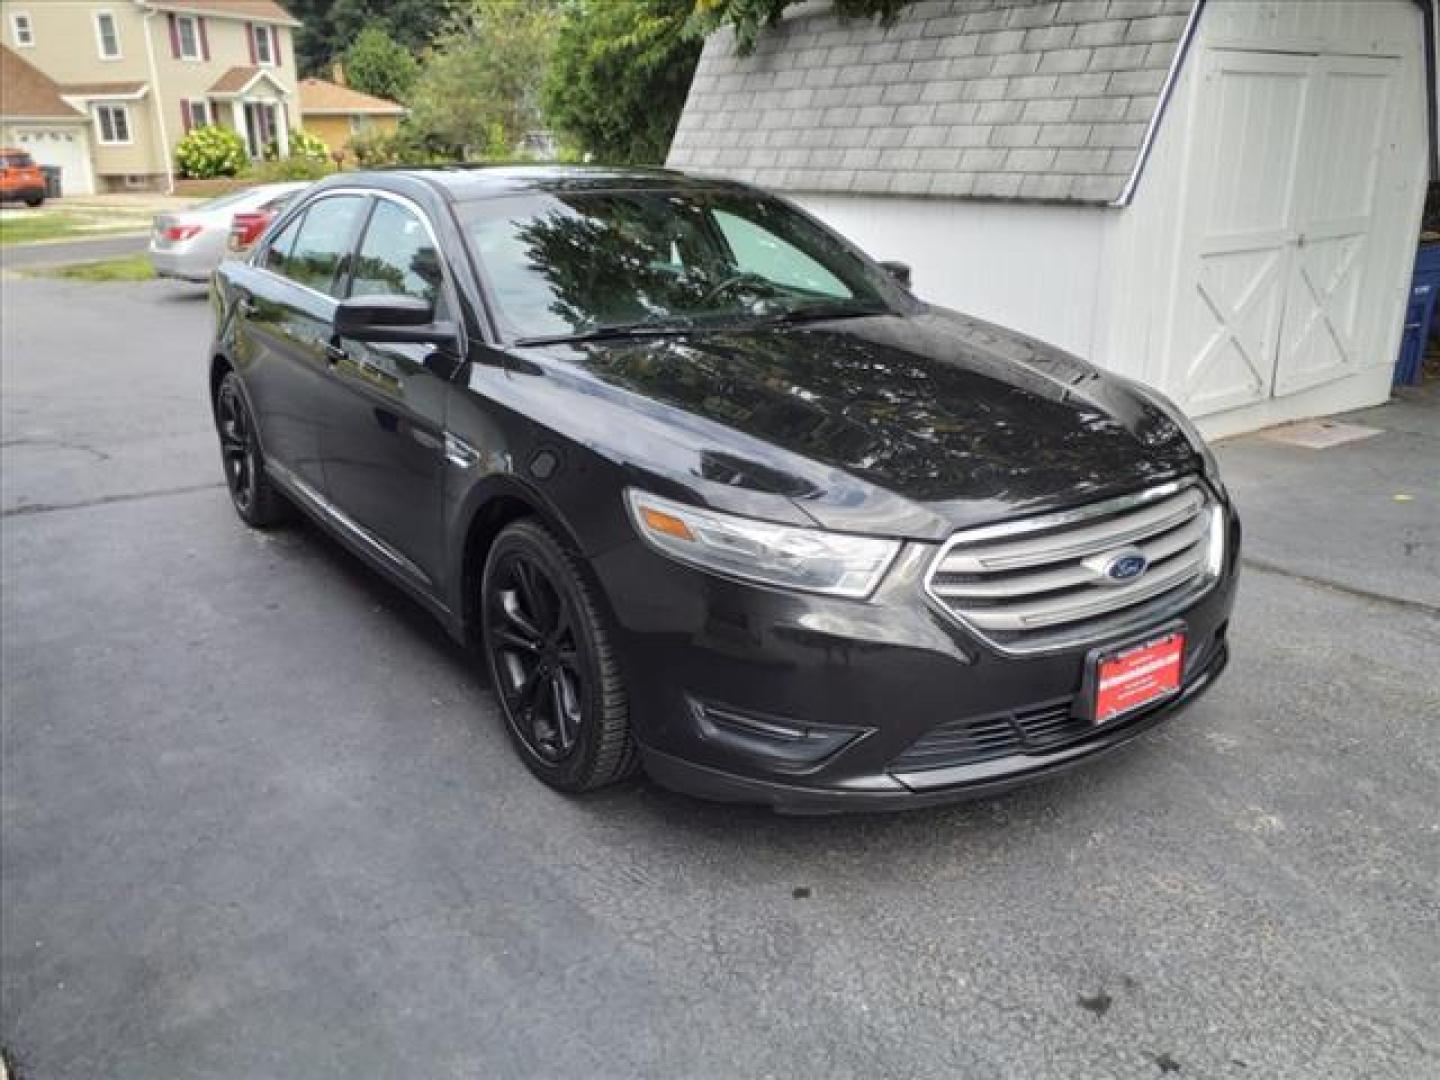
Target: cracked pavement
(258, 817)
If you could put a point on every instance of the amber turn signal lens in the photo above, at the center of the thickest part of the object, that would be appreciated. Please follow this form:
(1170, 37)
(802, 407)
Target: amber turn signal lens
(667, 524)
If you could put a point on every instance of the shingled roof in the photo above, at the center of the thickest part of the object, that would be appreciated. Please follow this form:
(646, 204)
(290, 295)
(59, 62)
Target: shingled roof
(1013, 99)
(321, 98)
(28, 93)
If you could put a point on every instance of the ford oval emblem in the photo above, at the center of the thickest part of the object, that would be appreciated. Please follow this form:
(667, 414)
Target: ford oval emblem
(1125, 565)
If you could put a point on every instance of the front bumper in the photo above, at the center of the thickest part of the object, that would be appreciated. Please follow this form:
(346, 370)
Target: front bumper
(809, 704)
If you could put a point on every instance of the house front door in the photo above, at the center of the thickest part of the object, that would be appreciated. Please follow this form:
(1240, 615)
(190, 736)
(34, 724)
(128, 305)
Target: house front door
(261, 128)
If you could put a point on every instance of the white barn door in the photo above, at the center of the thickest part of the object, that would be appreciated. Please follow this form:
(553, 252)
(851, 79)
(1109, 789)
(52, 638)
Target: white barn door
(1282, 224)
(1240, 235)
(1335, 215)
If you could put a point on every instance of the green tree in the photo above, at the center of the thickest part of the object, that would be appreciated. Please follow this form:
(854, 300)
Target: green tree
(479, 88)
(748, 17)
(375, 63)
(331, 26)
(619, 75)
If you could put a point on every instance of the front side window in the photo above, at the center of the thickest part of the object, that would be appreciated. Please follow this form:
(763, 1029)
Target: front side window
(107, 35)
(396, 257)
(565, 263)
(277, 253)
(114, 124)
(326, 236)
(263, 54)
(22, 30)
(188, 34)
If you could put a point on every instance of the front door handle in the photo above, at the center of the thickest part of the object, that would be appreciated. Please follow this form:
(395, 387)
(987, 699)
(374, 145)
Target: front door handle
(334, 354)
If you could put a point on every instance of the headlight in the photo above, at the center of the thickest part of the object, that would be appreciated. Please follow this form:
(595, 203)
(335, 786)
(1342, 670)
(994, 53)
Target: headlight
(809, 559)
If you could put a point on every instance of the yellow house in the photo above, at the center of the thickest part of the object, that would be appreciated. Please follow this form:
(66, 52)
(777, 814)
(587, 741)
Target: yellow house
(337, 113)
(145, 72)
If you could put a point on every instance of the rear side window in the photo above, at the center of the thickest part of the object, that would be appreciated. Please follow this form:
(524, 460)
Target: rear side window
(396, 256)
(325, 237)
(15, 161)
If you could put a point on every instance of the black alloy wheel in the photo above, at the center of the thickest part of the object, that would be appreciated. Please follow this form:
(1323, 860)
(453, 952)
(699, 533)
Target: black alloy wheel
(551, 665)
(254, 496)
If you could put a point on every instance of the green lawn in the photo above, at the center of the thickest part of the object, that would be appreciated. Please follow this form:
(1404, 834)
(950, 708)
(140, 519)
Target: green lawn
(130, 268)
(57, 225)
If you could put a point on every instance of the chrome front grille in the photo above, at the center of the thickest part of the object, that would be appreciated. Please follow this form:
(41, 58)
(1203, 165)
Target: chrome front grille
(1041, 583)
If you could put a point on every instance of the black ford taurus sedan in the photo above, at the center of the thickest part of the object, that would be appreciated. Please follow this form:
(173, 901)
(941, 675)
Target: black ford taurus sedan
(713, 493)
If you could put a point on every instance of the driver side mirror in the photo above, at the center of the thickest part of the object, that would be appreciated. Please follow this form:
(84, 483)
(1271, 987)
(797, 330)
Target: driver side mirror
(898, 270)
(394, 319)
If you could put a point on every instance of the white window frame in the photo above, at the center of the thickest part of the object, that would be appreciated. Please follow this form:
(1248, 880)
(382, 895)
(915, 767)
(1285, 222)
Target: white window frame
(123, 110)
(260, 32)
(204, 119)
(181, 21)
(119, 52)
(17, 19)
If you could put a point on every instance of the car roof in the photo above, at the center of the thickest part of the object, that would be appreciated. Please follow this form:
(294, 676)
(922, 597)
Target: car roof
(465, 183)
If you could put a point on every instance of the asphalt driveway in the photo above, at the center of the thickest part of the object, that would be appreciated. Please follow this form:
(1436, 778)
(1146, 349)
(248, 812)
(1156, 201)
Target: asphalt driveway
(259, 818)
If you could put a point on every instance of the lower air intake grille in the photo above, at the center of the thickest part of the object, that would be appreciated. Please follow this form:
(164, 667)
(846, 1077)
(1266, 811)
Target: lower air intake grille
(964, 742)
(1061, 579)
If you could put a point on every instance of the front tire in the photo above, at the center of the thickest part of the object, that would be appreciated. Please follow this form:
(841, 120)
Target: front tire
(551, 663)
(258, 502)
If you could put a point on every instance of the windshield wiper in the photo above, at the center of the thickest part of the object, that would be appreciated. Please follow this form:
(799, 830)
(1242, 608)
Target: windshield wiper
(610, 333)
(840, 309)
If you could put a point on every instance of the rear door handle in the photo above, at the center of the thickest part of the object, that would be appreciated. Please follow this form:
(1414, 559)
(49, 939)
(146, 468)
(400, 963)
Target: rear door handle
(334, 354)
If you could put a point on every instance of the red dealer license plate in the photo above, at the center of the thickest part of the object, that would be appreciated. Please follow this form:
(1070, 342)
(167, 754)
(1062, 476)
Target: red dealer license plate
(1138, 676)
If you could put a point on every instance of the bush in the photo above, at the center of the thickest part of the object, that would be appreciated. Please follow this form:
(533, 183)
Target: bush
(305, 145)
(211, 151)
(376, 148)
(295, 167)
(302, 144)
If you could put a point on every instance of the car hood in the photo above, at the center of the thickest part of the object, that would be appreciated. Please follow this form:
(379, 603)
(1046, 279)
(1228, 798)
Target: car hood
(908, 424)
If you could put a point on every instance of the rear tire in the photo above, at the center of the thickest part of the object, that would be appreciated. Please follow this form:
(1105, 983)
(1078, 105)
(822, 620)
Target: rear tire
(552, 664)
(33, 201)
(258, 502)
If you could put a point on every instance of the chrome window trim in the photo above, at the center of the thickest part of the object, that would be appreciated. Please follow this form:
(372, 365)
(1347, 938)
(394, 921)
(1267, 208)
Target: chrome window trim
(1123, 622)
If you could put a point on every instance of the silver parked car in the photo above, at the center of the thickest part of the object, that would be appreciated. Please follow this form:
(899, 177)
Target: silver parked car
(189, 244)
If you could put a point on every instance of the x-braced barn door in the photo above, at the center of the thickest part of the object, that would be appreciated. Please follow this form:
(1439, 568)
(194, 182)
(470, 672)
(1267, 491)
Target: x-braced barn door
(1278, 217)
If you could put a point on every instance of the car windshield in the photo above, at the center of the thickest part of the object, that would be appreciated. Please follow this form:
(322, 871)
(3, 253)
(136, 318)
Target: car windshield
(569, 264)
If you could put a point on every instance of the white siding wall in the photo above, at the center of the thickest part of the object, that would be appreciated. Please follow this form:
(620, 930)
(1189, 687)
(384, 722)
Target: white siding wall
(1034, 268)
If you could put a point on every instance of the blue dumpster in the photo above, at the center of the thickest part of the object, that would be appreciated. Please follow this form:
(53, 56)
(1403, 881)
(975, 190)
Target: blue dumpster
(1419, 314)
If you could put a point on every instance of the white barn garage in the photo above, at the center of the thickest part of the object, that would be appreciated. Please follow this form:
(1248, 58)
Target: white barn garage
(1221, 199)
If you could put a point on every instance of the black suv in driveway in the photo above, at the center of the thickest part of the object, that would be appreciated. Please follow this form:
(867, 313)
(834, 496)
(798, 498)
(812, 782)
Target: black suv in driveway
(714, 492)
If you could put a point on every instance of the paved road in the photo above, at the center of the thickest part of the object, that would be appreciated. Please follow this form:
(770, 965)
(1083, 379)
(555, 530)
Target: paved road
(259, 820)
(26, 256)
